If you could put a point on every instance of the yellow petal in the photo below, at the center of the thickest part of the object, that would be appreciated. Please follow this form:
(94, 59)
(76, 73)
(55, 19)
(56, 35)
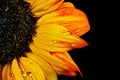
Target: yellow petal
(65, 57)
(40, 7)
(27, 75)
(58, 64)
(6, 73)
(27, 72)
(32, 1)
(68, 16)
(56, 38)
(49, 58)
(49, 73)
(33, 68)
(66, 4)
(43, 5)
(15, 69)
(48, 46)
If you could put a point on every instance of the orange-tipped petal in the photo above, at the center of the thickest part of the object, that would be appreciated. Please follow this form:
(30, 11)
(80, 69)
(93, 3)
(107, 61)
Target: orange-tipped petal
(78, 27)
(56, 38)
(66, 58)
(68, 16)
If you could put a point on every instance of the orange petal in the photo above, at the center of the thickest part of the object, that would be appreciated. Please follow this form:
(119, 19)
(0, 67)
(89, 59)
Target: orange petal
(66, 58)
(80, 26)
(68, 16)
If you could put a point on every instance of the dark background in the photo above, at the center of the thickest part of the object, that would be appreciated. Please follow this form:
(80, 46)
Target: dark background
(86, 58)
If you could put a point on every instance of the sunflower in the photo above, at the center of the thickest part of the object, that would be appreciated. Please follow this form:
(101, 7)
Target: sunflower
(35, 37)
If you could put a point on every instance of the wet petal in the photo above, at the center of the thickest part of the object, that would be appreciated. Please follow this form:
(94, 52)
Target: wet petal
(58, 30)
(6, 73)
(52, 60)
(15, 69)
(56, 38)
(68, 16)
(48, 71)
(31, 69)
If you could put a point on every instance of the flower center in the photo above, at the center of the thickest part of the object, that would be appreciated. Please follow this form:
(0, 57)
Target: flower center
(17, 26)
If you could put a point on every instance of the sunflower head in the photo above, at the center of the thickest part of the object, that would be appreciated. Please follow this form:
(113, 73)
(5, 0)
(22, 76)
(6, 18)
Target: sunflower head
(39, 33)
(17, 26)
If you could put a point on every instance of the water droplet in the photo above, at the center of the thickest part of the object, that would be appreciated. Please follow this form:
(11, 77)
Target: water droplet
(73, 45)
(29, 73)
(66, 33)
(22, 69)
(53, 41)
(29, 61)
(11, 74)
(24, 75)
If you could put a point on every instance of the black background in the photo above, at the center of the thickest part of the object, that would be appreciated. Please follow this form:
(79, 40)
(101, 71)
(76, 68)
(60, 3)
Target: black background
(86, 58)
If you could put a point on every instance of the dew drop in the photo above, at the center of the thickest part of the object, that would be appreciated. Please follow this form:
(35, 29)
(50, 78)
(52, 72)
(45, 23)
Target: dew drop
(53, 41)
(24, 75)
(11, 74)
(29, 73)
(66, 33)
